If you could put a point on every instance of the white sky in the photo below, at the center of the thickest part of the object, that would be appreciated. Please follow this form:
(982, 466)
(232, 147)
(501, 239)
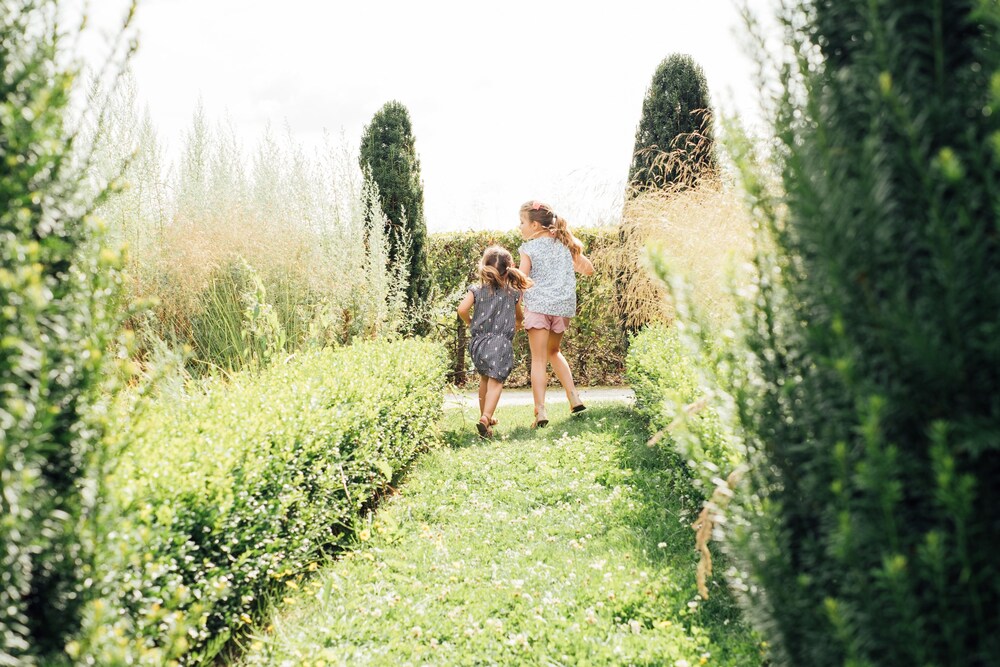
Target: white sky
(527, 99)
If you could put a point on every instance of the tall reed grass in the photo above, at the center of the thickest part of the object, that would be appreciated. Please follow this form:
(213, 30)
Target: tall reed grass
(703, 233)
(245, 256)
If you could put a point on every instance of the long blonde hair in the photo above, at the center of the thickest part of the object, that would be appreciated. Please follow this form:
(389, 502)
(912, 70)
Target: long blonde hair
(497, 270)
(547, 218)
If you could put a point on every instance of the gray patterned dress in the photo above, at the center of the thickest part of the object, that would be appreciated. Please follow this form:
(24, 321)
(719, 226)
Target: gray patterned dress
(491, 345)
(554, 291)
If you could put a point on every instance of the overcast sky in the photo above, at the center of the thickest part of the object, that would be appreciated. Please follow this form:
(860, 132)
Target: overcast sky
(509, 101)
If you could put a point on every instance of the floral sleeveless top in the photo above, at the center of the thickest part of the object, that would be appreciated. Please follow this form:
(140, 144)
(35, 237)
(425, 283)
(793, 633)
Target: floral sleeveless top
(554, 291)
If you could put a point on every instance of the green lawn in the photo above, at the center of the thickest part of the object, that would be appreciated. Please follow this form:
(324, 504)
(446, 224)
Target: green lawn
(566, 546)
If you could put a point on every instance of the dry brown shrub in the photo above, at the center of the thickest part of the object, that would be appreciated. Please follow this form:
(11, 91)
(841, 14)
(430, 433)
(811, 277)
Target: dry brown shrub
(712, 513)
(689, 211)
(704, 232)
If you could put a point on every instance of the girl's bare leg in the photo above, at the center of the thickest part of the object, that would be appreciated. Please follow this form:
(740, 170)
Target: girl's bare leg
(483, 384)
(538, 342)
(561, 368)
(493, 390)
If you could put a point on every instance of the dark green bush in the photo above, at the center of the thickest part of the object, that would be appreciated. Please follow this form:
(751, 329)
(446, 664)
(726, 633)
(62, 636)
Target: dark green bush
(227, 496)
(56, 326)
(674, 150)
(594, 344)
(872, 406)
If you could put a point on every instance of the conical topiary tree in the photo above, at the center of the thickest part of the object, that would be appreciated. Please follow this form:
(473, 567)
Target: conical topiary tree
(674, 141)
(388, 154)
(872, 406)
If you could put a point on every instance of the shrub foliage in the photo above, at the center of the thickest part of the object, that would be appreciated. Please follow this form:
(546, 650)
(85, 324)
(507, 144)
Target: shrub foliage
(872, 410)
(672, 395)
(56, 282)
(245, 255)
(227, 496)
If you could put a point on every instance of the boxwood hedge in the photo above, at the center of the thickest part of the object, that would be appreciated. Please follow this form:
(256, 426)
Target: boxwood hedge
(672, 394)
(229, 495)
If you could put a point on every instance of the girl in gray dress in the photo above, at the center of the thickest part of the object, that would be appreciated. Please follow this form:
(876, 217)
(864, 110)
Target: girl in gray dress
(495, 305)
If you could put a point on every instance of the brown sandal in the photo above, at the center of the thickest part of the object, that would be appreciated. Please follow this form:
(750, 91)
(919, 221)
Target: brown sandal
(484, 428)
(541, 421)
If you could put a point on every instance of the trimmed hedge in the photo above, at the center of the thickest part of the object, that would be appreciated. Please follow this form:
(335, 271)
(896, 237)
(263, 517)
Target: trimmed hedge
(594, 345)
(670, 391)
(676, 388)
(227, 496)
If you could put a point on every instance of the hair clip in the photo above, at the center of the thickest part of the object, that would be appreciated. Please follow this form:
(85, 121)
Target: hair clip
(537, 205)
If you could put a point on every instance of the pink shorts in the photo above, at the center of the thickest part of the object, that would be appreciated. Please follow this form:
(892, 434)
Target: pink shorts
(553, 323)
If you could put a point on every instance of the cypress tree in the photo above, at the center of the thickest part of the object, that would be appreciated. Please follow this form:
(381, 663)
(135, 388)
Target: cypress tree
(388, 154)
(56, 324)
(674, 141)
(872, 511)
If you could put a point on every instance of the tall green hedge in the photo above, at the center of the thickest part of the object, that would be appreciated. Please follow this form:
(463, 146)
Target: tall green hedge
(872, 408)
(594, 345)
(56, 325)
(226, 497)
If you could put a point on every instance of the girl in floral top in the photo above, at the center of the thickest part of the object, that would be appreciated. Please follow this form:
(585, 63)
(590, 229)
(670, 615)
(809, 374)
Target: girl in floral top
(551, 256)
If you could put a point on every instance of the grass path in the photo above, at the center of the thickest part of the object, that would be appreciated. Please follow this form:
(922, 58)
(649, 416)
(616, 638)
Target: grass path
(566, 546)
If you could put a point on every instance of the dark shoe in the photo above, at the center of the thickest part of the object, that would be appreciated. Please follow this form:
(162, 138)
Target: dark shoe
(483, 426)
(578, 408)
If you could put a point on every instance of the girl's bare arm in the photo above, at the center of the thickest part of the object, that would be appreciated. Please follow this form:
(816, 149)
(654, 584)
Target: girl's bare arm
(465, 307)
(583, 265)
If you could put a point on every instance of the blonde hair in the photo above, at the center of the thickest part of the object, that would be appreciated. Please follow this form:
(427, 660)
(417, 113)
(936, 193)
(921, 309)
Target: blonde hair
(547, 218)
(497, 270)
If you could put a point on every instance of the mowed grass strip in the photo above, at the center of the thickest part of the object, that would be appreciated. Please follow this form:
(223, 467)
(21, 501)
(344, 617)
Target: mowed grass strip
(564, 546)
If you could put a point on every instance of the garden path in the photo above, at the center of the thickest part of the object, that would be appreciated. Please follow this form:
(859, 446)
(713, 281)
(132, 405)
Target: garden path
(568, 545)
(470, 397)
